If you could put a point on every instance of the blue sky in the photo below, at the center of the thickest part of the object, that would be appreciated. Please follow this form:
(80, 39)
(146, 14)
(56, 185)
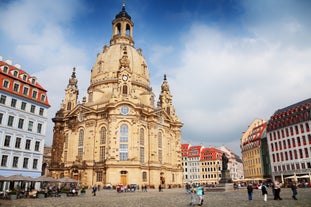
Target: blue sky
(227, 62)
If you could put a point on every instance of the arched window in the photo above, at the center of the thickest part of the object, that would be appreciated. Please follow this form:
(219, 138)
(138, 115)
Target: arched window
(142, 147)
(160, 147)
(142, 136)
(144, 176)
(118, 29)
(80, 144)
(69, 106)
(128, 30)
(124, 89)
(123, 142)
(103, 135)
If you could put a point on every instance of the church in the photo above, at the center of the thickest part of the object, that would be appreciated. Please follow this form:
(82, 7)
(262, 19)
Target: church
(119, 133)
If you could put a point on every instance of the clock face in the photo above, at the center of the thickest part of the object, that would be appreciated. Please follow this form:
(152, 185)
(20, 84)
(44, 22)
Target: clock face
(125, 110)
(124, 77)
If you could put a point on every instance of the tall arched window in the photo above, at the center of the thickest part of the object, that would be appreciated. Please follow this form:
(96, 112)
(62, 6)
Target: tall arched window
(124, 89)
(69, 106)
(103, 135)
(160, 146)
(142, 147)
(123, 142)
(80, 144)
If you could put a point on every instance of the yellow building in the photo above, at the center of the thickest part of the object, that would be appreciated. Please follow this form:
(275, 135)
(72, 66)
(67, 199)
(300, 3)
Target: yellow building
(250, 146)
(118, 134)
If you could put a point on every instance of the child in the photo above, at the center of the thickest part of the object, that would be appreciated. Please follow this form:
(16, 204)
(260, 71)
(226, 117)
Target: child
(264, 191)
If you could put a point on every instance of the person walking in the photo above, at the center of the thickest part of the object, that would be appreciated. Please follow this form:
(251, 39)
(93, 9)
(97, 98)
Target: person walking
(293, 186)
(250, 191)
(264, 192)
(94, 189)
(192, 196)
(277, 190)
(200, 193)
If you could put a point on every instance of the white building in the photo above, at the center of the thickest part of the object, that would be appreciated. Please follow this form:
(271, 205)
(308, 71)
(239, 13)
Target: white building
(289, 140)
(23, 119)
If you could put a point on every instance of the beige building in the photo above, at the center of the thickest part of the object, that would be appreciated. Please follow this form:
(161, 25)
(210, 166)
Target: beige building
(250, 146)
(118, 134)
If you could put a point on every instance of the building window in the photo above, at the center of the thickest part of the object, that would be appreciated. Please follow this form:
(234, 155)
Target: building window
(32, 108)
(2, 99)
(10, 121)
(6, 84)
(66, 141)
(103, 135)
(102, 153)
(20, 123)
(39, 128)
(34, 94)
(42, 98)
(142, 155)
(124, 90)
(18, 142)
(25, 91)
(35, 164)
(23, 106)
(15, 162)
(7, 140)
(5, 69)
(16, 87)
(4, 161)
(1, 117)
(80, 144)
(30, 126)
(27, 145)
(13, 102)
(144, 176)
(33, 81)
(142, 136)
(41, 111)
(25, 163)
(15, 73)
(24, 77)
(99, 177)
(123, 142)
(37, 146)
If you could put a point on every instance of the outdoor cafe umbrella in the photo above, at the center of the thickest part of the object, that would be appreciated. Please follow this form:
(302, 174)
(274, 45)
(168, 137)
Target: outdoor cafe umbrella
(44, 178)
(67, 180)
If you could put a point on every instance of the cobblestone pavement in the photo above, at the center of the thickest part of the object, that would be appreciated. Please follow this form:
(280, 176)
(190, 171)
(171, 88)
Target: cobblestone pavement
(167, 198)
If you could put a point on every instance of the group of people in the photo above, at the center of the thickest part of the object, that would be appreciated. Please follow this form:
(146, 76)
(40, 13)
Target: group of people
(196, 193)
(276, 189)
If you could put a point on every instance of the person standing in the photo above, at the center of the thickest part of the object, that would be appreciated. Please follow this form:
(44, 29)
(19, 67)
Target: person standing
(200, 195)
(294, 189)
(250, 191)
(192, 194)
(277, 190)
(264, 191)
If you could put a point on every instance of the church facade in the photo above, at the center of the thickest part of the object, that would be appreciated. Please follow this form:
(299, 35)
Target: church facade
(118, 134)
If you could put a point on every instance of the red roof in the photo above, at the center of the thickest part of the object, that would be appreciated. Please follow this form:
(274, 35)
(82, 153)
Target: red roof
(23, 79)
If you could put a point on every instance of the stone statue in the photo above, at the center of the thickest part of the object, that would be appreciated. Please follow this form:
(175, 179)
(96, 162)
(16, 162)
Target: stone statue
(224, 162)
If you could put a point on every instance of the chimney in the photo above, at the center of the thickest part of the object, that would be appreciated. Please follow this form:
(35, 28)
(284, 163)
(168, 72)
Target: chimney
(18, 66)
(8, 61)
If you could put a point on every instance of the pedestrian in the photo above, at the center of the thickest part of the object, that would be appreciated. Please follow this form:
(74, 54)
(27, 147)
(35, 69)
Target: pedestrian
(250, 191)
(160, 188)
(94, 189)
(264, 191)
(200, 194)
(277, 190)
(192, 196)
(294, 189)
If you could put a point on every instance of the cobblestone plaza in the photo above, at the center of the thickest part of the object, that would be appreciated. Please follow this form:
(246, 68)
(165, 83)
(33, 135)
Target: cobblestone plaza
(167, 198)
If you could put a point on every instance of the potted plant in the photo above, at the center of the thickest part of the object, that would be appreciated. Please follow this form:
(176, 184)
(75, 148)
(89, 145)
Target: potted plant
(83, 191)
(13, 194)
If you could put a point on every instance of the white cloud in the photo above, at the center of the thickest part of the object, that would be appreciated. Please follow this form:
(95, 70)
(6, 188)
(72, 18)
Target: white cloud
(227, 81)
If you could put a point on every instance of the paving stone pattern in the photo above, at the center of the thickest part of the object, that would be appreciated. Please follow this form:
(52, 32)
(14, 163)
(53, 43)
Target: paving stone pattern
(167, 198)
